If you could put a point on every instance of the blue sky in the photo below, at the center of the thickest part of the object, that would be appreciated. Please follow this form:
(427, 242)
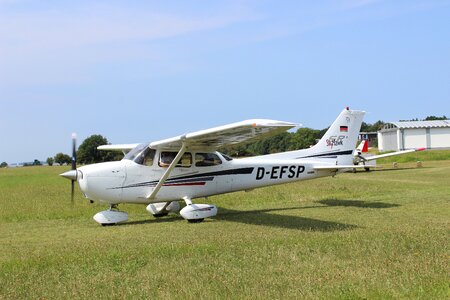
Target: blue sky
(137, 71)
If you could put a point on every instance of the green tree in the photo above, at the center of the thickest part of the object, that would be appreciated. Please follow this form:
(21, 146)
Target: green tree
(37, 163)
(50, 161)
(305, 138)
(3, 164)
(88, 153)
(237, 151)
(377, 126)
(365, 127)
(62, 158)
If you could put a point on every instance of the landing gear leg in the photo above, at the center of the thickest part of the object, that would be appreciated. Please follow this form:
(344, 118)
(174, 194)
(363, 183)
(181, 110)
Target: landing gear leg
(187, 200)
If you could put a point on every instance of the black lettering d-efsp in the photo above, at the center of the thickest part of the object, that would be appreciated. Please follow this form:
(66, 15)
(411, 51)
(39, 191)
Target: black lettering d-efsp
(260, 173)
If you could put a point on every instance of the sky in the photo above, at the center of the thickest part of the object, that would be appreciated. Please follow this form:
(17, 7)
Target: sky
(139, 71)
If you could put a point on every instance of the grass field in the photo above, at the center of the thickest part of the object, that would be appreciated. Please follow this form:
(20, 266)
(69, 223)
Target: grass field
(381, 234)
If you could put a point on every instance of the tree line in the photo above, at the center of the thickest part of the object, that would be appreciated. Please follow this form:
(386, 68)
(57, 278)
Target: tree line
(87, 153)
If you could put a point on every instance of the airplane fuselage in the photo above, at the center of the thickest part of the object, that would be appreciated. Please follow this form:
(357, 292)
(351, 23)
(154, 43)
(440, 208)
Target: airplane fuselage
(128, 182)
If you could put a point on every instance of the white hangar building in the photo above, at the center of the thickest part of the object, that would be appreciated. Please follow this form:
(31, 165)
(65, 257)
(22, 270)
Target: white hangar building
(414, 134)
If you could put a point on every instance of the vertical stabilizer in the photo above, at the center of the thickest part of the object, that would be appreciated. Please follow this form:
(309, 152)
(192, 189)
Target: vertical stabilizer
(340, 139)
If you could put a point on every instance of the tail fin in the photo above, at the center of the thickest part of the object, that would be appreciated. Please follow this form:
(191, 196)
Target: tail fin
(340, 139)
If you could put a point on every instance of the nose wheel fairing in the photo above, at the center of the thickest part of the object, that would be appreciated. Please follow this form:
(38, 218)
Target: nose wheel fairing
(111, 216)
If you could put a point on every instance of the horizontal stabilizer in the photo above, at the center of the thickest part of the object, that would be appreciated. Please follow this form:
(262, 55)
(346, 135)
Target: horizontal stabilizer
(340, 167)
(392, 154)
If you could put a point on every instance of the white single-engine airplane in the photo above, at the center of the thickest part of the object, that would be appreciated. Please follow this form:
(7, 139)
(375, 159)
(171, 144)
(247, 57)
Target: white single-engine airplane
(161, 173)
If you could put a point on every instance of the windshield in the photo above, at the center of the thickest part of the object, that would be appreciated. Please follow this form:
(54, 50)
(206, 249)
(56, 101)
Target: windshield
(135, 152)
(226, 156)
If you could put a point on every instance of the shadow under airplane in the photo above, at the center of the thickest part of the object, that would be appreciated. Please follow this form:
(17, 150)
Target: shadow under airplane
(269, 217)
(356, 203)
(266, 217)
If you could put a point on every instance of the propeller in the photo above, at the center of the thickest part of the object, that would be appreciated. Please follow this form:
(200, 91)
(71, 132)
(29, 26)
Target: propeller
(72, 174)
(74, 163)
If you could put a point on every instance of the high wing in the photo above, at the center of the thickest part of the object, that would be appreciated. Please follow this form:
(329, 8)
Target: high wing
(227, 135)
(369, 158)
(125, 148)
(213, 138)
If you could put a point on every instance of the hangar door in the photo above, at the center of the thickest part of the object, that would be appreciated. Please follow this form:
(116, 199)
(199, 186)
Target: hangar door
(440, 138)
(389, 139)
(414, 138)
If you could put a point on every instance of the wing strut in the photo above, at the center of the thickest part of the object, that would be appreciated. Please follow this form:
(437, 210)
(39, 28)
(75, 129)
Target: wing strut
(168, 171)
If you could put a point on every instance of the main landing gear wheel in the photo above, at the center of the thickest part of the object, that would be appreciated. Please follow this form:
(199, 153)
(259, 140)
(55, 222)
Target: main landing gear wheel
(195, 220)
(162, 209)
(160, 215)
(196, 213)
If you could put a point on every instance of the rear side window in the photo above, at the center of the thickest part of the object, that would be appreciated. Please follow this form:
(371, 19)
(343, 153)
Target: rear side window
(207, 160)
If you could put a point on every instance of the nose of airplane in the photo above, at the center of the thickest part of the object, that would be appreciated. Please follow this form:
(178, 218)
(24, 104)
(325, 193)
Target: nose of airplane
(101, 181)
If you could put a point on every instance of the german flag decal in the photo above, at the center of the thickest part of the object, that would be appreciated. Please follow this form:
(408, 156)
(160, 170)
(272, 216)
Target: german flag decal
(344, 128)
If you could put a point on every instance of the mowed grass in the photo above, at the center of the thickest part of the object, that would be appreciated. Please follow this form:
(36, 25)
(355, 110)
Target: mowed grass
(382, 234)
(428, 155)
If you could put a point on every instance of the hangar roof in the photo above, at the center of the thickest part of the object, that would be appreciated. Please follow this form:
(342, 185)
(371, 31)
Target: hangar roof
(418, 124)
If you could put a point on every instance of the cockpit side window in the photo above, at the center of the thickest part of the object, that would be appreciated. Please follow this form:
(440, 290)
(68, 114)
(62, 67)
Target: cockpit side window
(166, 158)
(145, 157)
(149, 156)
(207, 160)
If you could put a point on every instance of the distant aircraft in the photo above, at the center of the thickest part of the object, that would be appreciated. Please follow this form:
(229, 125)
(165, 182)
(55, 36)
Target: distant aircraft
(162, 173)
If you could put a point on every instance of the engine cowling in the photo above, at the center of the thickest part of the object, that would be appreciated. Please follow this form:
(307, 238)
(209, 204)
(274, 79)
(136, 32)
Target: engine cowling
(198, 211)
